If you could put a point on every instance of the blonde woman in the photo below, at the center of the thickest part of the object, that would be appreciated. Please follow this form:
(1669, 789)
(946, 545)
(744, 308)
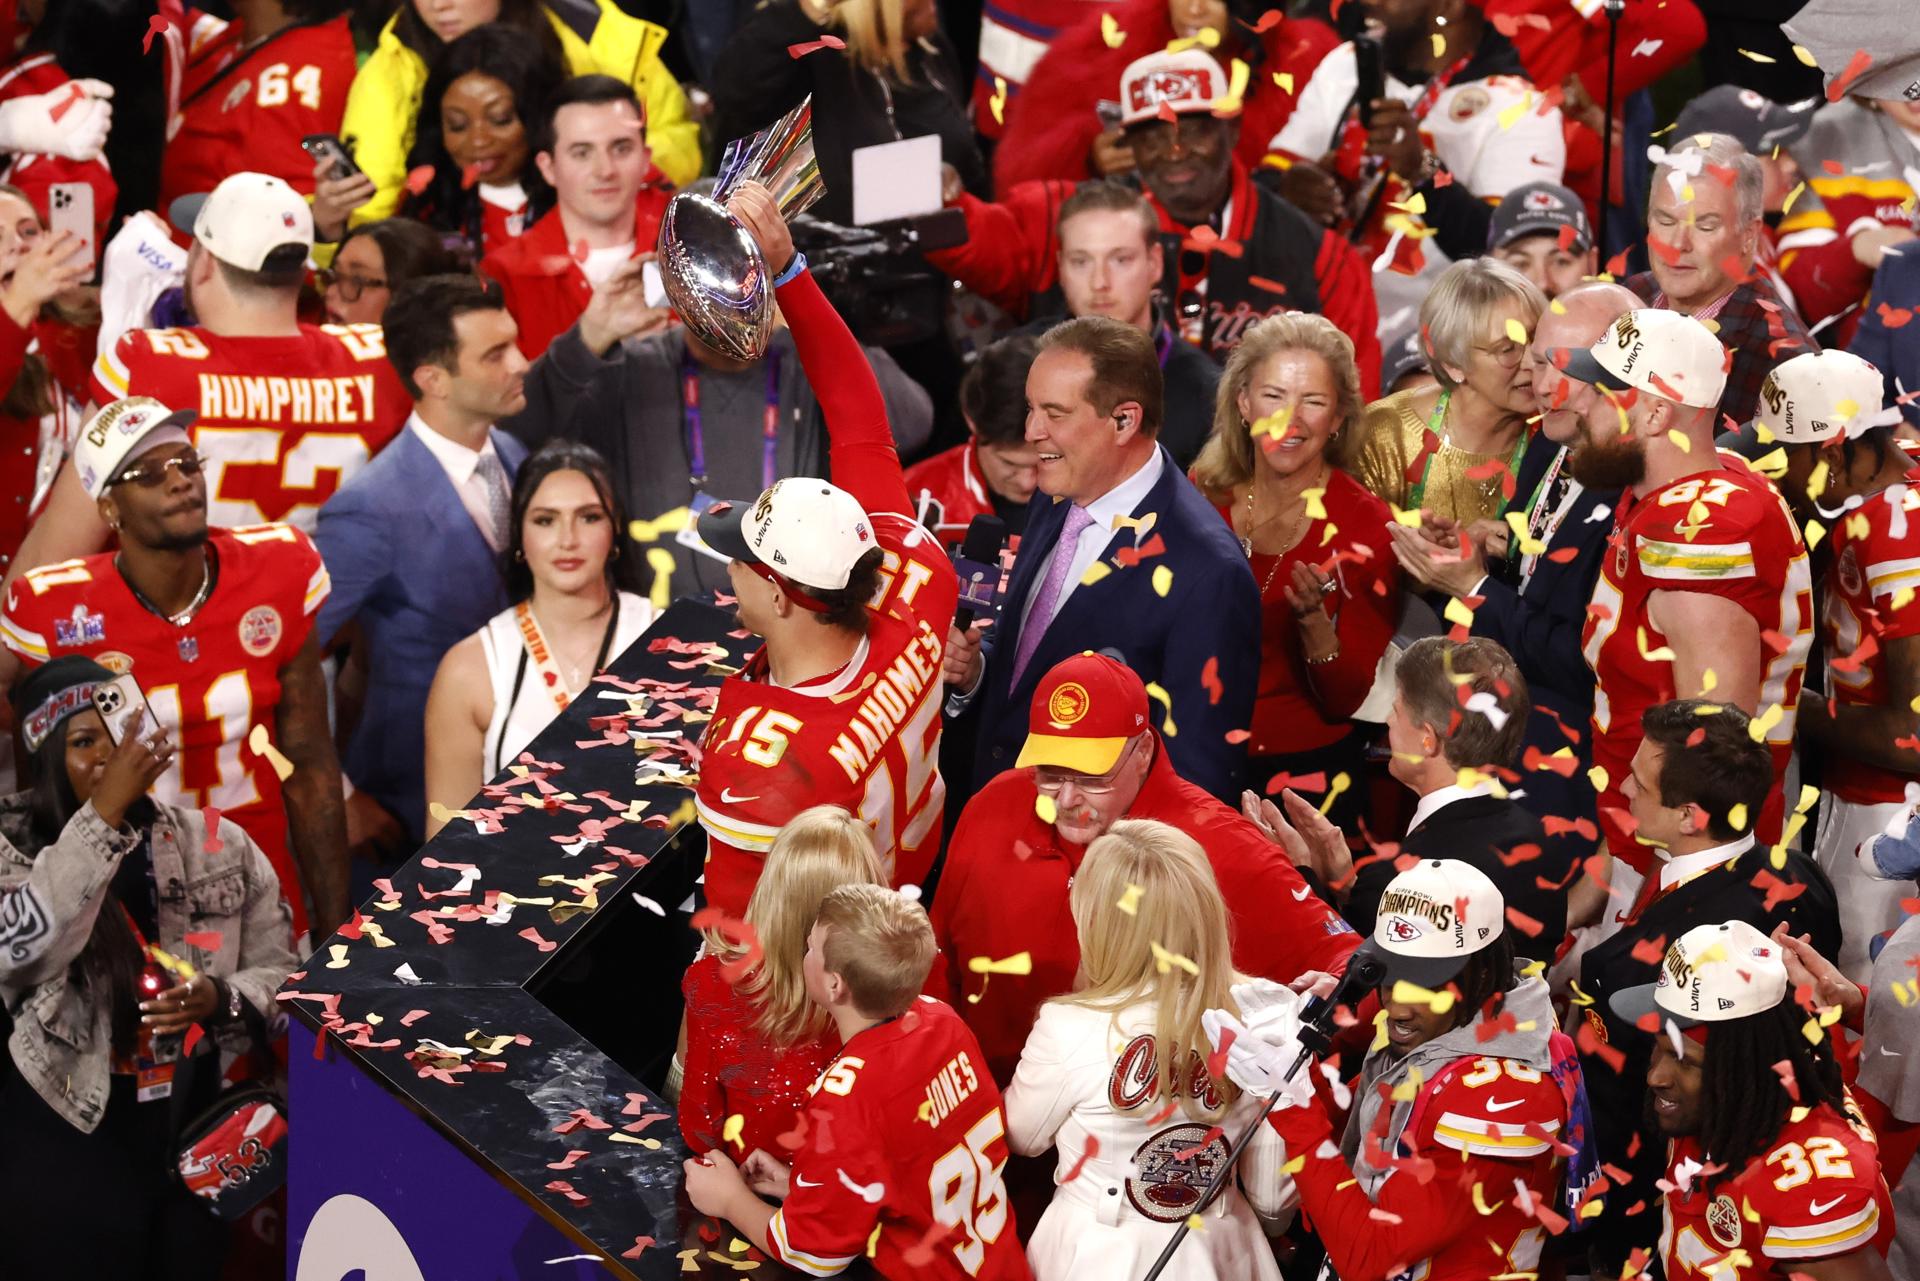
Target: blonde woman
(1114, 1078)
(755, 1045)
(1454, 449)
(1276, 467)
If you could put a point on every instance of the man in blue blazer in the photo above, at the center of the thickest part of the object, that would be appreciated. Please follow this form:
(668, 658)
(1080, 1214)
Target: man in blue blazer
(1889, 338)
(413, 542)
(1127, 559)
(1534, 591)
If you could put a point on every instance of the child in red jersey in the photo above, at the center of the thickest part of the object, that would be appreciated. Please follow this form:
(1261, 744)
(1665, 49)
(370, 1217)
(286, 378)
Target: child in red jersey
(1771, 1172)
(905, 1138)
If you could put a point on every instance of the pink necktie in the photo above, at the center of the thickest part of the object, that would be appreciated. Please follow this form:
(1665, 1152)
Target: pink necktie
(1051, 589)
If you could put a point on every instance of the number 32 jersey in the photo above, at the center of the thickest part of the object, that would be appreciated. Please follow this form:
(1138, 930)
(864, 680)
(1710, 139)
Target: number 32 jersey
(284, 422)
(208, 682)
(1725, 533)
(1815, 1194)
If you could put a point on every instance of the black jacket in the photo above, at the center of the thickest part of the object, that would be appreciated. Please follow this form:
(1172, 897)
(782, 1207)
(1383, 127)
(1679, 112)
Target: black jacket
(1631, 958)
(1479, 830)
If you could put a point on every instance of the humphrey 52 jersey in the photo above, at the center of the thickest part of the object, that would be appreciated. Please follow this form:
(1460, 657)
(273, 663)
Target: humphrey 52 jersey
(866, 737)
(209, 681)
(1725, 533)
(284, 422)
(1815, 1194)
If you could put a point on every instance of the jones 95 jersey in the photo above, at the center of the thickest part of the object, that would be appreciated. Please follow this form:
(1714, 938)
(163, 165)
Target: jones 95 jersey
(1815, 1194)
(284, 422)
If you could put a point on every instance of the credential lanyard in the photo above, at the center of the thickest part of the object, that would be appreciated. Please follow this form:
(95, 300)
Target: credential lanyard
(1416, 497)
(696, 436)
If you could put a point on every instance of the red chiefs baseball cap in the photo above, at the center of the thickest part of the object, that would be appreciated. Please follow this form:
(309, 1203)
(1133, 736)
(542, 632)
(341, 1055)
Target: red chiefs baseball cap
(1083, 713)
(1186, 82)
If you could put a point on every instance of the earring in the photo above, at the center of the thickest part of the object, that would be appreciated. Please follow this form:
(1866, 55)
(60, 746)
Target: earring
(519, 555)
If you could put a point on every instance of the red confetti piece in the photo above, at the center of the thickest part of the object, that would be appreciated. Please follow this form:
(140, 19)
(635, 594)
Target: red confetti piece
(1187, 1154)
(411, 1017)
(1525, 924)
(1092, 1150)
(205, 940)
(1238, 736)
(1128, 557)
(573, 1157)
(1162, 1114)
(1518, 854)
(1166, 112)
(156, 25)
(471, 175)
(1271, 286)
(1860, 61)
(532, 935)
(639, 1245)
(1617, 265)
(565, 1189)
(1557, 826)
(1776, 890)
(1207, 240)
(1894, 317)
(418, 177)
(814, 46)
(1268, 21)
(1561, 555)
(1591, 1044)
(1869, 646)
(921, 1254)
(1649, 951)
(739, 934)
(1442, 178)
(581, 250)
(1217, 1061)
(210, 815)
(1314, 782)
(1535, 759)
(1210, 681)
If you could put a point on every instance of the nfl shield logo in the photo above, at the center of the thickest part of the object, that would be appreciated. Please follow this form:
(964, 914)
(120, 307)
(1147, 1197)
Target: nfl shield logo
(189, 649)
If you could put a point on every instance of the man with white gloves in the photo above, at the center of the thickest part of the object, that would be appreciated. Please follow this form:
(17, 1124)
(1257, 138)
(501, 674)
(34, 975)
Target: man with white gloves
(1467, 1073)
(71, 122)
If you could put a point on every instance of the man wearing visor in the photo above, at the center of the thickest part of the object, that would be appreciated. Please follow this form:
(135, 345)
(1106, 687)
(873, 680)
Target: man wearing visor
(1092, 758)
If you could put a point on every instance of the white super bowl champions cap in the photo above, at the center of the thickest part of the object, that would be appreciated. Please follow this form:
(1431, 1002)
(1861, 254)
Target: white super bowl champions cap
(1432, 917)
(252, 221)
(804, 529)
(1661, 352)
(1818, 395)
(1711, 974)
(121, 431)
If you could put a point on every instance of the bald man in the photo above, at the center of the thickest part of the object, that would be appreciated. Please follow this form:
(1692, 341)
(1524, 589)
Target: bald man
(1530, 591)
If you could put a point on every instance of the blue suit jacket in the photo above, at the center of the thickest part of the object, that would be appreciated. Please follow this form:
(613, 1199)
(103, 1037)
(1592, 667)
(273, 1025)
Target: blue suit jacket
(408, 562)
(1211, 611)
(1895, 352)
(1541, 628)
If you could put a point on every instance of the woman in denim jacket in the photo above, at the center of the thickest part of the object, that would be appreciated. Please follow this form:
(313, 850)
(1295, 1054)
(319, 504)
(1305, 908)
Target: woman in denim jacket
(91, 871)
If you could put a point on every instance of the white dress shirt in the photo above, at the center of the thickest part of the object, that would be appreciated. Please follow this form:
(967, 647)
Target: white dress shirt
(1678, 871)
(1439, 799)
(462, 467)
(1118, 501)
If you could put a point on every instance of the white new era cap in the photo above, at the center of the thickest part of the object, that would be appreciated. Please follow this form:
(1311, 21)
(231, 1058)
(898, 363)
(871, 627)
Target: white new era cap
(252, 221)
(1711, 974)
(1432, 917)
(1819, 395)
(124, 430)
(1188, 81)
(803, 529)
(1662, 352)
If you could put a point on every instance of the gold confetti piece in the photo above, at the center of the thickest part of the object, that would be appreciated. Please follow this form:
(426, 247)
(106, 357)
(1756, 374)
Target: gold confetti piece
(1901, 598)
(998, 103)
(1110, 31)
(1480, 1202)
(1130, 901)
(1156, 692)
(1815, 531)
(688, 1257)
(1805, 55)
(1405, 993)
(1808, 795)
(1018, 963)
(1273, 425)
(1597, 775)
(652, 531)
(1761, 433)
(1517, 331)
(1737, 816)
(1095, 572)
(1817, 480)
(1786, 206)
(339, 953)
(617, 1137)
(1196, 1224)
(1411, 519)
(1680, 441)
(1339, 784)
(1205, 38)
(1439, 45)
(1759, 726)
(1757, 57)
(873, 1242)
(1663, 654)
(1458, 611)
(1164, 961)
(1285, 80)
(1044, 806)
(1773, 463)
(1162, 580)
(734, 1127)
(1708, 682)
(1510, 116)
(1236, 90)
(1316, 506)
(262, 746)
(1415, 205)
(1295, 1165)
(660, 561)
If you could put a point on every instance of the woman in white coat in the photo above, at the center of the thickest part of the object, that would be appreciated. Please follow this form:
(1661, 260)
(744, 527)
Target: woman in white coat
(1114, 1078)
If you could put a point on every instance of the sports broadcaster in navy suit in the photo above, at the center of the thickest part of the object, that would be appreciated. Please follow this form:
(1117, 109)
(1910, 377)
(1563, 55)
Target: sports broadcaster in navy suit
(1149, 572)
(1533, 599)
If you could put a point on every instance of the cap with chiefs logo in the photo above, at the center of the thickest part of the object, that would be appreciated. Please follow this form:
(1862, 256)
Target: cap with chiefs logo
(1711, 974)
(1660, 352)
(1540, 208)
(252, 221)
(1818, 395)
(1432, 918)
(1083, 713)
(121, 432)
(1184, 82)
(808, 532)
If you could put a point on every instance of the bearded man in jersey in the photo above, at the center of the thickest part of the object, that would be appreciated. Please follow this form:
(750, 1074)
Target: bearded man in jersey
(1468, 1074)
(841, 706)
(288, 412)
(216, 626)
(1771, 1171)
(1704, 590)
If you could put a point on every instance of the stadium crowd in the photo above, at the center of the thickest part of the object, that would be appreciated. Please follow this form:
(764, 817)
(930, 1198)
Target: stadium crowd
(1449, 716)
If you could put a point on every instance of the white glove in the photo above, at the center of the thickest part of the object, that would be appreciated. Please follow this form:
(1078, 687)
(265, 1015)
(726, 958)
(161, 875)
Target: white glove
(28, 125)
(1265, 1044)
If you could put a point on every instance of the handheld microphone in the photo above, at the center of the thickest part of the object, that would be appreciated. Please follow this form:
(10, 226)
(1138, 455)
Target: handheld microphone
(978, 564)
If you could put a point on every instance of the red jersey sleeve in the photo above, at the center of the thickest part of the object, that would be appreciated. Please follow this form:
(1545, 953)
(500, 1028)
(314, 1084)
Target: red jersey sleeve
(1494, 1108)
(1718, 534)
(1889, 560)
(837, 1187)
(114, 370)
(1822, 1197)
(42, 601)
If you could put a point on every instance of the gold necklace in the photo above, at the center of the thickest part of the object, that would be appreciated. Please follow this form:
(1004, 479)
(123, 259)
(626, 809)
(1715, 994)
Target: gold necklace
(1288, 543)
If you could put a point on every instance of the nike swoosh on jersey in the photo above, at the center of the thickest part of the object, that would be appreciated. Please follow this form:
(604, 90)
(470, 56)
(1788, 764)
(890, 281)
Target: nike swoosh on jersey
(802, 1180)
(1494, 1105)
(729, 798)
(1821, 1208)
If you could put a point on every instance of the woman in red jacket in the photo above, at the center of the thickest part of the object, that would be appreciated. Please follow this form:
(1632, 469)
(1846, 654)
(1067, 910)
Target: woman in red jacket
(1283, 433)
(1054, 128)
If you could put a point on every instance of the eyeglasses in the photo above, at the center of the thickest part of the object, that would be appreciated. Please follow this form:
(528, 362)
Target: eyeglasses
(1050, 780)
(1507, 354)
(351, 286)
(148, 475)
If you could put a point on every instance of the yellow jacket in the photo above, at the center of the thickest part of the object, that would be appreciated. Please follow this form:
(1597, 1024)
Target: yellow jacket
(385, 98)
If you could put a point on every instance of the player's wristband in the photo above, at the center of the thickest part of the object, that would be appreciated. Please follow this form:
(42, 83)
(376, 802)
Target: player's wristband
(794, 268)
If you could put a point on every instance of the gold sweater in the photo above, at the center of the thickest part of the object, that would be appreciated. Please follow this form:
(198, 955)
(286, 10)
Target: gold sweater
(1393, 436)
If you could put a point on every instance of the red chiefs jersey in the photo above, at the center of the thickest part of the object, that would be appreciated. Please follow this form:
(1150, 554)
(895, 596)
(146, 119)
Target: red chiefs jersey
(1491, 1122)
(949, 491)
(284, 422)
(248, 109)
(1726, 533)
(209, 682)
(1816, 1194)
(1873, 595)
(868, 736)
(905, 1135)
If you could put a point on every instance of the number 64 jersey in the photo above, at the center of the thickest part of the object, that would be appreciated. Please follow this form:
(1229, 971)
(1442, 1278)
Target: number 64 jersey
(1815, 1193)
(905, 1143)
(1723, 532)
